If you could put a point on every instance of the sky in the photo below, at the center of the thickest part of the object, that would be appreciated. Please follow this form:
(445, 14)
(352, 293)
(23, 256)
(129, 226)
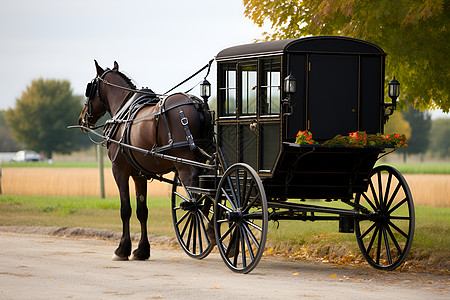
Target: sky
(158, 43)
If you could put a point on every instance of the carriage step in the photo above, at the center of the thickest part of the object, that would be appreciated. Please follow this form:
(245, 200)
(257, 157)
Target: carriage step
(208, 181)
(346, 224)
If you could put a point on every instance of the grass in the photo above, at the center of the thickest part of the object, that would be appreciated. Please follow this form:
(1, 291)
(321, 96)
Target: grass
(422, 168)
(87, 212)
(321, 239)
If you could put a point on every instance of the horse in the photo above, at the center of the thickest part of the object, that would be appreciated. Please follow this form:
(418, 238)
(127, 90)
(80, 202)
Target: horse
(171, 125)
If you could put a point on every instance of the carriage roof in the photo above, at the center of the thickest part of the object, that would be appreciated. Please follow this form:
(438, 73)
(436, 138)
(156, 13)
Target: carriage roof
(316, 44)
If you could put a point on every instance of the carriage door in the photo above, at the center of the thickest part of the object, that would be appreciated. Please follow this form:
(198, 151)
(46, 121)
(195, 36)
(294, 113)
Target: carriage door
(333, 95)
(249, 112)
(247, 116)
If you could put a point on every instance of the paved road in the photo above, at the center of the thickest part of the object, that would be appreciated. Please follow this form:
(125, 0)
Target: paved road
(43, 267)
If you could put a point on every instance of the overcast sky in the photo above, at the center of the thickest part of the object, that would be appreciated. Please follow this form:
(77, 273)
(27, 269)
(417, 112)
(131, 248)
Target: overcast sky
(157, 43)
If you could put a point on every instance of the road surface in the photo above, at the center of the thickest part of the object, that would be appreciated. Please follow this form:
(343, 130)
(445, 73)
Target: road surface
(48, 267)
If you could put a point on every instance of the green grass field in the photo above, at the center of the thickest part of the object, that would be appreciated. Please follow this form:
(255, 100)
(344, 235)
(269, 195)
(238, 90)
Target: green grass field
(320, 239)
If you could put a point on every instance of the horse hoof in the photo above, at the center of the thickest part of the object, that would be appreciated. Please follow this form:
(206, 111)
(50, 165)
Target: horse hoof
(138, 255)
(119, 258)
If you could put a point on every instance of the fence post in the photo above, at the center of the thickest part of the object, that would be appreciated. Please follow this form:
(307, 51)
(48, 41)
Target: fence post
(100, 170)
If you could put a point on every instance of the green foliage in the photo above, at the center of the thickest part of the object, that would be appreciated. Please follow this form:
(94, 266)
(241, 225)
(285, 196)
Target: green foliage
(7, 142)
(420, 123)
(440, 138)
(413, 33)
(397, 123)
(42, 115)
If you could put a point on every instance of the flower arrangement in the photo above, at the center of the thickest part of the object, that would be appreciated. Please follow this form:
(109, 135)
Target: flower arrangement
(357, 139)
(304, 137)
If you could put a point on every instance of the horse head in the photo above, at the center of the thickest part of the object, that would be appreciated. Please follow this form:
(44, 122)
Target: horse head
(103, 95)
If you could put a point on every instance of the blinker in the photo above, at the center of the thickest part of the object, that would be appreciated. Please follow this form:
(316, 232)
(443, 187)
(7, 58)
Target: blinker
(88, 89)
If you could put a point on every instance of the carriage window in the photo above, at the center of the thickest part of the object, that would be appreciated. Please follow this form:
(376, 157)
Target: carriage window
(249, 89)
(227, 90)
(270, 87)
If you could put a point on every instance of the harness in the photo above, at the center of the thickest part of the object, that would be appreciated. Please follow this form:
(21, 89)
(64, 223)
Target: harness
(127, 114)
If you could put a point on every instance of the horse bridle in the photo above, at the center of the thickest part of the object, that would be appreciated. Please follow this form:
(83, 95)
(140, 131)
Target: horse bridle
(92, 89)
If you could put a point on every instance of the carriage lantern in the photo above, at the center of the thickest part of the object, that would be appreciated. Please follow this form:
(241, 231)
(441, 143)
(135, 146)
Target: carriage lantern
(205, 90)
(290, 87)
(393, 92)
(290, 84)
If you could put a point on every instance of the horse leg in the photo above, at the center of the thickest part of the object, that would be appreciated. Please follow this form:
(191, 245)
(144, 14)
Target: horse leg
(143, 250)
(124, 249)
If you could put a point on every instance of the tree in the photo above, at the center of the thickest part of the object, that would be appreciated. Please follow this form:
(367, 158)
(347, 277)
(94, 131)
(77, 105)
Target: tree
(42, 115)
(413, 32)
(397, 124)
(7, 142)
(420, 123)
(440, 138)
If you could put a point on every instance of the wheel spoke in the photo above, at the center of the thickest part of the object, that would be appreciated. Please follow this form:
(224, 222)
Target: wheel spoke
(380, 190)
(386, 244)
(397, 206)
(394, 240)
(227, 232)
(202, 224)
(244, 259)
(250, 205)
(238, 190)
(247, 241)
(369, 247)
(386, 193)
(369, 202)
(394, 194)
(252, 236)
(188, 242)
(253, 225)
(233, 193)
(398, 229)
(368, 230)
(374, 194)
(181, 196)
(186, 225)
(229, 199)
(182, 218)
(379, 245)
(225, 207)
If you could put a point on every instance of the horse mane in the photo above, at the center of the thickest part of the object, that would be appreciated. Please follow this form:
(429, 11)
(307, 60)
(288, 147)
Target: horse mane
(127, 79)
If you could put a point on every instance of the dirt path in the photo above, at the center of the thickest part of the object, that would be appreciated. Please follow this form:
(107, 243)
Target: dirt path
(48, 267)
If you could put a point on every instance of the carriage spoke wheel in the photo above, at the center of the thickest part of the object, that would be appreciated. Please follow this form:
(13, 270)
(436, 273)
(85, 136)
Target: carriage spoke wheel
(192, 216)
(240, 219)
(385, 234)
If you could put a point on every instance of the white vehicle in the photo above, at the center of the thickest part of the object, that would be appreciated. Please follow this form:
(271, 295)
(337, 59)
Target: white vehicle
(26, 155)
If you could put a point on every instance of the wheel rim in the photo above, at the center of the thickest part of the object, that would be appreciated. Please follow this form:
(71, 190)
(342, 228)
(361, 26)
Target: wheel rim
(191, 216)
(386, 234)
(241, 217)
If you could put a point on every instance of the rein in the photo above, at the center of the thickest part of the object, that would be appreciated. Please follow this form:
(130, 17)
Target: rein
(208, 65)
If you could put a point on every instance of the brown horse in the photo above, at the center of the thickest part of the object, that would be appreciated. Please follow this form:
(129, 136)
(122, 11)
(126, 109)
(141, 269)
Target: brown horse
(166, 125)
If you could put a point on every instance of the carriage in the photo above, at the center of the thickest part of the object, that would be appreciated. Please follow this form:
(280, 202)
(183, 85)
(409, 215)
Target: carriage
(266, 93)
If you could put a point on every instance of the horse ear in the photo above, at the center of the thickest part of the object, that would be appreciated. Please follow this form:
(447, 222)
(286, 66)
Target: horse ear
(100, 71)
(116, 66)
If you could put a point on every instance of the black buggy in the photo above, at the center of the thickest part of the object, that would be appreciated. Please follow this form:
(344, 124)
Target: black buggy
(266, 93)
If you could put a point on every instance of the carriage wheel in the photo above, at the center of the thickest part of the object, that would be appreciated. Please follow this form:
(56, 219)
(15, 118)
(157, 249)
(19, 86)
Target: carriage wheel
(386, 234)
(240, 219)
(192, 214)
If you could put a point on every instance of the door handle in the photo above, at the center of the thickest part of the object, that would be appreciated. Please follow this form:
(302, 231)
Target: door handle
(254, 127)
